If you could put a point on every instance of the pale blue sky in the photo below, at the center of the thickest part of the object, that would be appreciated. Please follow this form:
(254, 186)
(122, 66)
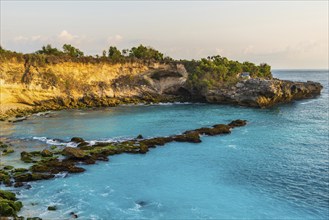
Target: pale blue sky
(285, 34)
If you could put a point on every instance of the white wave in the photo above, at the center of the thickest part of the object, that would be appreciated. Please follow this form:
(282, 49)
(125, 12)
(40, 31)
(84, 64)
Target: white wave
(61, 175)
(308, 101)
(55, 142)
(42, 113)
(232, 146)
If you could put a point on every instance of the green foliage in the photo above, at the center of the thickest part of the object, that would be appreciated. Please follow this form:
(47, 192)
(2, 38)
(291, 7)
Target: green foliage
(115, 54)
(146, 53)
(72, 51)
(218, 71)
(49, 50)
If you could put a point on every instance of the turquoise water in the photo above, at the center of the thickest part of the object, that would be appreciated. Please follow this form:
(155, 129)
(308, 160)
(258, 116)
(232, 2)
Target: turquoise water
(276, 167)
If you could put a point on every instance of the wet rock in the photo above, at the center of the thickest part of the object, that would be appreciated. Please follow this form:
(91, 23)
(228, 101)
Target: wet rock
(140, 137)
(7, 151)
(9, 206)
(77, 140)
(192, 137)
(27, 177)
(52, 208)
(143, 149)
(75, 153)
(237, 123)
(26, 157)
(8, 167)
(20, 170)
(141, 203)
(55, 166)
(160, 141)
(215, 130)
(18, 184)
(46, 153)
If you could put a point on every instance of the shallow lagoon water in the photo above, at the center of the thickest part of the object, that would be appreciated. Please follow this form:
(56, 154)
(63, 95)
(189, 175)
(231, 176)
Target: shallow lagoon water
(276, 167)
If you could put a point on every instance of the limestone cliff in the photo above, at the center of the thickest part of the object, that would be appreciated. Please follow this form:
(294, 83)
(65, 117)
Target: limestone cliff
(26, 85)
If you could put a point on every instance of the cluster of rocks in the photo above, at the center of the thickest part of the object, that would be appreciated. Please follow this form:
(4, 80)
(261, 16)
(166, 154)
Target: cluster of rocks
(47, 163)
(263, 93)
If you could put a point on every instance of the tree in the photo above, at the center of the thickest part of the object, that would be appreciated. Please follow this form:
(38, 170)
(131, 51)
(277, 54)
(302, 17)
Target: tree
(104, 53)
(72, 51)
(115, 54)
(145, 53)
(49, 50)
(264, 70)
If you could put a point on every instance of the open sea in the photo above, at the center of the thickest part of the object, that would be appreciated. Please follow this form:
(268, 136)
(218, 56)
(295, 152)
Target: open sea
(276, 167)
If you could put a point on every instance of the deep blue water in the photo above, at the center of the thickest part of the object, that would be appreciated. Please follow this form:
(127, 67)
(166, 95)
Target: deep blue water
(276, 167)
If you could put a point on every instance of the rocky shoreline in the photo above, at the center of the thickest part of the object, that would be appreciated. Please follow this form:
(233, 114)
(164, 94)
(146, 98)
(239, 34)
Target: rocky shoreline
(47, 163)
(264, 93)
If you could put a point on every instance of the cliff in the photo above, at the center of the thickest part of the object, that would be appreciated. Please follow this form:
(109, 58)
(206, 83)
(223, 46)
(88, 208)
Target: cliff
(28, 87)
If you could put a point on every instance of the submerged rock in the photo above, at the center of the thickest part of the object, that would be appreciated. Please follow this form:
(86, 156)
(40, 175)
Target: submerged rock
(52, 208)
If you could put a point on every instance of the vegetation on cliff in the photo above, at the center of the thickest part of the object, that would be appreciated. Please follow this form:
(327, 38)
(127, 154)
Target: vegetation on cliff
(217, 71)
(204, 74)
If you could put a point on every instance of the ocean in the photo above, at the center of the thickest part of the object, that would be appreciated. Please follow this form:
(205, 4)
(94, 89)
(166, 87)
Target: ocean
(275, 167)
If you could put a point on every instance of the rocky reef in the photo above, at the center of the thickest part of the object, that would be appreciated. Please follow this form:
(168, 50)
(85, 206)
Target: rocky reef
(263, 93)
(45, 164)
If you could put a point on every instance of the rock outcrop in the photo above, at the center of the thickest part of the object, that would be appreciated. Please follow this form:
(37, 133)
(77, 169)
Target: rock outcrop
(264, 93)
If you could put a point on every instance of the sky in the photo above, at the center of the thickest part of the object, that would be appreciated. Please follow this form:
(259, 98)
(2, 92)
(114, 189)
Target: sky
(284, 34)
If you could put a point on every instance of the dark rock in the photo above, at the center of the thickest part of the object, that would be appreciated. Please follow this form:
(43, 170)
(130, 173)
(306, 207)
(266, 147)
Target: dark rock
(192, 137)
(52, 208)
(83, 144)
(26, 157)
(18, 184)
(77, 139)
(141, 203)
(237, 123)
(143, 149)
(8, 167)
(27, 177)
(20, 170)
(140, 137)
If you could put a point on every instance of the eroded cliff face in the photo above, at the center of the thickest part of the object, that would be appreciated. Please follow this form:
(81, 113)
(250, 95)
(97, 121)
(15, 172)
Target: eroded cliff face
(69, 84)
(264, 93)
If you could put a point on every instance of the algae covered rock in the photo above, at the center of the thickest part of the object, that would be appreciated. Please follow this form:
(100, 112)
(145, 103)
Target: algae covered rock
(8, 204)
(46, 153)
(237, 123)
(74, 152)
